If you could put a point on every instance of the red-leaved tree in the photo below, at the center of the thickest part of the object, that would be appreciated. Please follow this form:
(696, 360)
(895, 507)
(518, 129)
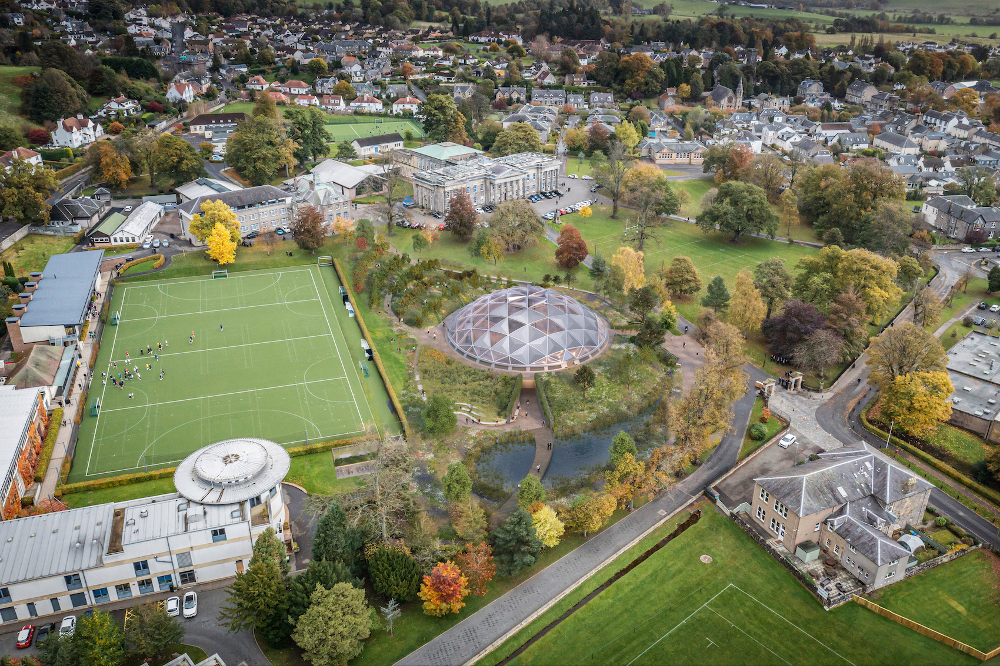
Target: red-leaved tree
(38, 137)
(478, 566)
(572, 248)
(444, 590)
(154, 107)
(361, 243)
(461, 217)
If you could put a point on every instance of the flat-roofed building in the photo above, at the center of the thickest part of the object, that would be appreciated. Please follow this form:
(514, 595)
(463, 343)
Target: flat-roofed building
(433, 156)
(24, 423)
(201, 187)
(120, 228)
(486, 180)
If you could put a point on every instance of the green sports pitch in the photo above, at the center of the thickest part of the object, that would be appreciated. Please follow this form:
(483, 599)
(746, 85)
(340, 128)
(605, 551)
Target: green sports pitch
(364, 126)
(256, 354)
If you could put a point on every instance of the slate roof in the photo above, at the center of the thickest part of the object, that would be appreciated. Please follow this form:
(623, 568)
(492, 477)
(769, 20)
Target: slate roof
(63, 293)
(860, 525)
(250, 196)
(379, 140)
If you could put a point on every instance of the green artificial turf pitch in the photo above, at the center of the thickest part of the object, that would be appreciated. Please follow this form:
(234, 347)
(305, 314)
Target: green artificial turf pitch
(268, 359)
(361, 126)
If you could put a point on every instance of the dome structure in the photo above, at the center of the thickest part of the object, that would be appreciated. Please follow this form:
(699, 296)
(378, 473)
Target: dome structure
(231, 471)
(527, 329)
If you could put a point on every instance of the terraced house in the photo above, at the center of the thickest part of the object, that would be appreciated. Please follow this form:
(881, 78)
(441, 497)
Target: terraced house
(486, 180)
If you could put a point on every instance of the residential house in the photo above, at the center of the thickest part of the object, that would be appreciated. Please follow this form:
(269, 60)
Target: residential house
(19, 153)
(577, 101)
(548, 97)
(860, 92)
(306, 100)
(374, 145)
(883, 101)
(513, 94)
(76, 132)
(366, 104)
(119, 105)
(405, 105)
(959, 217)
(809, 87)
(325, 86)
(463, 91)
(214, 124)
(182, 91)
(853, 140)
(895, 143)
(258, 82)
(294, 87)
(600, 99)
(943, 88)
(334, 103)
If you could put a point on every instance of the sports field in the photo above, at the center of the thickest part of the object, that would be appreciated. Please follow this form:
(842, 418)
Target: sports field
(348, 128)
(259, 354)
(741, 607)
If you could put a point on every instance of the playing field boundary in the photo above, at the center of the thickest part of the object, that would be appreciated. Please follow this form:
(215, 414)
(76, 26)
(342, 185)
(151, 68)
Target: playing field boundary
(927, 631)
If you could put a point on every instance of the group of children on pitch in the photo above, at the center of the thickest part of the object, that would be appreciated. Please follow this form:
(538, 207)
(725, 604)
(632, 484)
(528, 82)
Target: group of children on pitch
(119, 381)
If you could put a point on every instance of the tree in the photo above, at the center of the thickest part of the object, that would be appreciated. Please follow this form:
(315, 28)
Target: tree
(114, 166)
(572, 248)
(627, 134)
(444, 590)
(589, 513)
(918, 402)
(258, 598)
(682, 278)
(585, 377)
(115, 128)
(345, 151)
(888, 228)
(151, 632)
(610, 173)
(833, 270)
(394, 191)
(319, 572)
(439, 417)
(407, 70)
(345, 90)
(518, 138)
(796, 322)
(630, 263)
(317, 67)
(442, 121)
(307, 226)
(332, 631)
(491, 249)
(622, 444)
(729, 161)
(516, 225)
(457, 483)
(214, 213)
(901, 350)
(789, 204)
(821, 349)
(773, 282)
(647, 190)
(747, 310)
(642, 301)
(529, 491)
(23, 191)
(847, 318)
(739, 208)
(98, 640)
(927, 307)
(548, 528)
(831, 196)
(178, 158)
(221, 247)
(309, 133)
(336, 540)
(461, 217)
(391, 611)
(979, 184)
(265, 107)
(394, 574)
(476, 562)
(378, 506)
(767, 171)
(258, 148)
(623, 478)
(468, 519)
(515, 545)
(716, 296)
(994, 280)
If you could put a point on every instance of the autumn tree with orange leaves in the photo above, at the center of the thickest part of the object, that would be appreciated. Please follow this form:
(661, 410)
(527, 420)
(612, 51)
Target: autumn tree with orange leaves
(478, 566)
(444, 590)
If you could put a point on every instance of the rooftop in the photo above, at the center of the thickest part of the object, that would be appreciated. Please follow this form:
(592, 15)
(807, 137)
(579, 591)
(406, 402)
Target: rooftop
(63, 295)
(110, 224)
(140, 218)
(17, 409)
(231, 471)
(444, 151)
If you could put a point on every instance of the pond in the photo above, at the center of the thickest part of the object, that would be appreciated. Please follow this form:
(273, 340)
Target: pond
(504, 464)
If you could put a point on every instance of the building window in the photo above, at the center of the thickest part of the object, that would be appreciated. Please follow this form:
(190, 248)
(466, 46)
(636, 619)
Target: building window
(146, 586)
(764, 495)
(219, 534)
(850, 561)
(101, 595)
(254, 501)
(123, 591)
(73, 582)
(164, 582)
(273, 492)
(8, 614)
(760, 513)
(865, 573)
(827, 543)
(187, 577)
(852, 548)
(141, 567)
(4, 595)
(55, 604)
(78, 599)
(836, 549)
(781, 508)
(890, 575)
(816, 529)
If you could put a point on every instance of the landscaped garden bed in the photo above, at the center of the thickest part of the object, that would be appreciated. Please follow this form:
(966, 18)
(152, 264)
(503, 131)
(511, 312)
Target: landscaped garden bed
(487, 392)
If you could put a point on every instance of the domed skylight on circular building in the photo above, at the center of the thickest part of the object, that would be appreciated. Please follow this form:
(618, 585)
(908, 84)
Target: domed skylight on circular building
(527, 329)
(232, 471)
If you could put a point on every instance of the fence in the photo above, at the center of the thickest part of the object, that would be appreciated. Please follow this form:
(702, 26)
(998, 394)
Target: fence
(927, 631)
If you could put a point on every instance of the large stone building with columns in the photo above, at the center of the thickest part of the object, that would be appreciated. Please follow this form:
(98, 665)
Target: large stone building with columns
(486, 180)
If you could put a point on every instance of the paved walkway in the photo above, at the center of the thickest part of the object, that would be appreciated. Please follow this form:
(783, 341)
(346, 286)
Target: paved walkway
(71, 401)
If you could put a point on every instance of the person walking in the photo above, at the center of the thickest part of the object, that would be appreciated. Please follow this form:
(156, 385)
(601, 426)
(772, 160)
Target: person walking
(131, 395)
(220, 327)
(159, 346)
(161, 375)
(149, 350)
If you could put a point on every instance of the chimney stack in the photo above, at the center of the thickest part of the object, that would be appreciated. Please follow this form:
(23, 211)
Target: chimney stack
(30, 287)
(14, 331)
(25, 297)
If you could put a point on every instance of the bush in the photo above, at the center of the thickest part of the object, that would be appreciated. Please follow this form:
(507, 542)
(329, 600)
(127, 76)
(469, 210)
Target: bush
(941, 521)
(958, 531)
(68, 171)
(968, 320)
(55, 421)
(931, 510)
(395, 575)
(757, 432)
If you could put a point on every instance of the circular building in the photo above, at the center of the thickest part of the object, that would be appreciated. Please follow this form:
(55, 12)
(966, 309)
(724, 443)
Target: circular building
(232, 471)
(527, 329)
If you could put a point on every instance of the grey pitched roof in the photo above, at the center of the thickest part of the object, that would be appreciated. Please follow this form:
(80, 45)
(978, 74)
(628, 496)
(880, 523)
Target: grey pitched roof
(251, 196)
(860, 525)
(63, 293)
(379, 140)
(68, 209)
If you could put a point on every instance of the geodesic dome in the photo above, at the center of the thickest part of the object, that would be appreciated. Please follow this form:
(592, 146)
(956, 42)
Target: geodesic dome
(527, 329)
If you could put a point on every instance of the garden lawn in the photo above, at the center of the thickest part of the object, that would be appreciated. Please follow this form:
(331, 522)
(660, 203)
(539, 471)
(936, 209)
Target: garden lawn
(964, 448)
(121, 493)
(975, 293)
(712, 253)
(954, 334)
(349, 128)
(772, 426)
(742, 608)
(10, 96)
(489, 393)
(960, 599)
(696, 189)
(32, 252)
(315, 472)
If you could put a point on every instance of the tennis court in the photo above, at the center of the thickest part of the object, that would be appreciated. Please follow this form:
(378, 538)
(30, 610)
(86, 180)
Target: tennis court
(363, 126)
(255, 354)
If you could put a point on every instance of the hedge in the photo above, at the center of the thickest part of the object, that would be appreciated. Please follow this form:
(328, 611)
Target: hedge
(515, 394)
(307, 449)
(141, 260)
(50, 444)
(923, 456)
(378, 359)
(68, 171)
(81, 403)
(160, 260)
(544, 401)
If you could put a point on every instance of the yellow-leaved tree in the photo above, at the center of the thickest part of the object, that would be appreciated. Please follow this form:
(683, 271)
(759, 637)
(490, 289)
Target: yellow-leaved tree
(221, 246)
(917, 402)
(746, 307)
(586, 211)
(632, 267)
(548, 528)
(214, 213)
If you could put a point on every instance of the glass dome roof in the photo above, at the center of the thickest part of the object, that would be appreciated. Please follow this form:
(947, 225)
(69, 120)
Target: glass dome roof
(527, 327)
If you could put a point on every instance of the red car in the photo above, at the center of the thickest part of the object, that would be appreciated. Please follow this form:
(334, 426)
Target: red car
(25, 635)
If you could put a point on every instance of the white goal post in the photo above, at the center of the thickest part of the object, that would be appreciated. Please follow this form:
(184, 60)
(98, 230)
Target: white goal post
(224, 273)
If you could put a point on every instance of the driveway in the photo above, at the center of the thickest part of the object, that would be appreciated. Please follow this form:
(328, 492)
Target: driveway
(303, 524)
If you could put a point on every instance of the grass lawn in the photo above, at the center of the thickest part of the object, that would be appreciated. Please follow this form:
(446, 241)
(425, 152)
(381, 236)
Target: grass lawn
(122, 493)
(32, 252)
(237, 107)
(713, 254)
(488, 392)
(574, 165)
(960, 599)
(954, 334)
(315, 472)
(695, 189)
(742, 608)
(964, 448)
(348, 128)
(975, 293)
(10, 96)
(772, 426)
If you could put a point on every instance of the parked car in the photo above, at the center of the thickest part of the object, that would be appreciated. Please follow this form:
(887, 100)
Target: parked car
(979, 321)
(147, 245)
(982, 305)
(573, 175)
(786, 441)
(968, 250)
(44, 632)
(128, 209)
(156, 243)
(174, 606)
(995, 308)
(68, 626)
(165, 243)
(280, 232)
(984, 249)
(190, 604)
(287, 230)
(586, 178)
(594, 188)
(25, 635)
(438, 215)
